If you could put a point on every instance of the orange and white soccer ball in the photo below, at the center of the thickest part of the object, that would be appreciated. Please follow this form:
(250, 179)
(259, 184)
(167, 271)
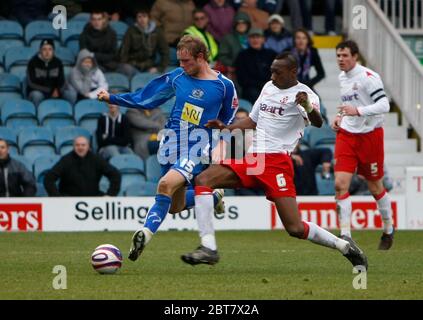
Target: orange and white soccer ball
(106, 259)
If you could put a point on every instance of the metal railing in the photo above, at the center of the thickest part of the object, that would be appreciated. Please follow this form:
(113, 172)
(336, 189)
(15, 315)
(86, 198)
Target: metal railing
(386, 52)
(405, 15)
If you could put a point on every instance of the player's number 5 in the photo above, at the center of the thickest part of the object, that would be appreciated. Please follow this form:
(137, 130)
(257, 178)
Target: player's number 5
(188, 165)
(373, 168)
(280, 180)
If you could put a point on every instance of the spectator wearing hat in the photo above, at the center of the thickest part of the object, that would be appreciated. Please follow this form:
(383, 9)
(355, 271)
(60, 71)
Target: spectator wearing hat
(45, 75)
(253, 65)
(221, 16)
(257, 16)
(232, 44)
(277, 37)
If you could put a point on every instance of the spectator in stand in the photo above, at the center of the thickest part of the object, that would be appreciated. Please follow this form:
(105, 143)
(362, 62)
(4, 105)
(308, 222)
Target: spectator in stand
(198, 29)
(99, 38)
(113, 133)
(145, 126)
(277, 37)
(307, 57)
(141, 45)
(80, 172)
(174, 16)
(232, 44)
(330, 16)
(221, 16)
(85, 79)
(258, 17)
(305, 164)
(15, 179)
(45, 75)
(253, 66)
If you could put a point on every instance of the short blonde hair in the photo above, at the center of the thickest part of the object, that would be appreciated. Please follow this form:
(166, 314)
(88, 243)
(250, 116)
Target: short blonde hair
(194, 46)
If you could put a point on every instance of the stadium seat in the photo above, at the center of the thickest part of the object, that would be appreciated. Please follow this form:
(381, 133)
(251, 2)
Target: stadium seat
(9, 83)
(41, 191)
(7, 96)
(6, 44)
(73, 30)
(82, 16)
(152, 169)
(245, 104)
(64, 138)
(168, 106)
(18, 113)
(17, 56)
(87, 112)
(42, 165)
(40, 29)
(73, 45)
(315, 136)
(25, 161)
(141, 79)
(54, 113)
(104, 186)
(117, 82)
(140, 189)
(66, 55)
(10, 30)
(11, 138)
(229, 192)
(131, 168)
(35, 142)
(325, 187)
(120, 28)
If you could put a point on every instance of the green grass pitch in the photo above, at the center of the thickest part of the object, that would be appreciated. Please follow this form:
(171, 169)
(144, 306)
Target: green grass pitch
(254, 265)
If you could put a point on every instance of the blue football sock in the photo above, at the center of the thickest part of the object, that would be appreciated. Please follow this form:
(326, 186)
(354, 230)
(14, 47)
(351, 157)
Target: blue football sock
(190, 199)
(157, 213)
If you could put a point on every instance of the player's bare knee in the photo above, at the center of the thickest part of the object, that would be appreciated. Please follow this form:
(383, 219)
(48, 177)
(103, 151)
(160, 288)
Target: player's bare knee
(164, 187)
(295, 231)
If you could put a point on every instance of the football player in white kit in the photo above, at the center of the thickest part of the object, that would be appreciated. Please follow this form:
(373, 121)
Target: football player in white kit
(359, 139)
(279, 116)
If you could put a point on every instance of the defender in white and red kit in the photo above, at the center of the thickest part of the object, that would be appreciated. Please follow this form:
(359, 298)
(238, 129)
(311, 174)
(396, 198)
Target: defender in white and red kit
(279, 116)
(359, 140)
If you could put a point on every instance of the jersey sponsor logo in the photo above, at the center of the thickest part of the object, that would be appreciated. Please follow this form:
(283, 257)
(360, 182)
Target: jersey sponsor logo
(197, 94)
(21, 217)
(192, 113)
(365, 215)
(350, 97)
(271, 109)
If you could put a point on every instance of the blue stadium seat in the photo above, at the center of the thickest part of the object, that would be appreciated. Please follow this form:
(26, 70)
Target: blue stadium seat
(73, 45)
(10, 30)
(325, 187)
(11, 138)
(64, 138)
(245, 104)
(120, 28)
(18, 113)
(82, 16)
(73, 31)
(87, 112)
(315, 136)
(229, 192)
(54, 113)
(41, 191)
(35, 142)
(104, 186)
(141, 79)
(153, 169)
(42, 165)
(117, 82)
(131, 168)
(140, 189)
(6, 96)
(168, 106)
(66, 55)
(18, 56)
(6, 44)
(25, 161)
(9, 83)
(40, 29)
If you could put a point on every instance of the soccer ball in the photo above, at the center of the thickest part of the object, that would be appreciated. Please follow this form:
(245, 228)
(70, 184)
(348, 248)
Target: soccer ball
(106, 259)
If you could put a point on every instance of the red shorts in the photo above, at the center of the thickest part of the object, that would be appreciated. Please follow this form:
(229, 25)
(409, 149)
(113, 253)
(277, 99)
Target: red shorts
(360, 151)
(273, 172)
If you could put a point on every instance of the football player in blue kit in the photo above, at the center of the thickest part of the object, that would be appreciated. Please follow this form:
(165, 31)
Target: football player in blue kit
(202, 94)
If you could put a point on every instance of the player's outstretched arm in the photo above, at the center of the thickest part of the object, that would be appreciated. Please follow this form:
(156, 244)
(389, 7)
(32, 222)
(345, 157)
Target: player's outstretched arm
(244, 124)
(313, 114)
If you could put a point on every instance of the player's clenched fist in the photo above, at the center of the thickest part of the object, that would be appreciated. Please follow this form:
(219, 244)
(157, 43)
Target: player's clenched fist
(302, 99)
(103, 95)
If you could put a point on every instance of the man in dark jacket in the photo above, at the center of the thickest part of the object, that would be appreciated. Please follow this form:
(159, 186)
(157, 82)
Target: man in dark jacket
(253, 65)
(113, 133)
(142, 42)
(15, 179)
(45, 74)
(80, 172)
(100, 38)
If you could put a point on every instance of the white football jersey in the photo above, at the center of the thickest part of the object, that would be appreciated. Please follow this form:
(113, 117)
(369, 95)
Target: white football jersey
(362, 87)
(280, 121)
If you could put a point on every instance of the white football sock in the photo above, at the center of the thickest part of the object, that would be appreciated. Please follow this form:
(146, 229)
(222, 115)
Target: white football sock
(344, 208)
(204, 208)
(323, 237)
(148, 235)
(384, 205)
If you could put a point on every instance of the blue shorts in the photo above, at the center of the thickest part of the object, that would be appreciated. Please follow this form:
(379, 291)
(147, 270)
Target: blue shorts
(189, 170)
